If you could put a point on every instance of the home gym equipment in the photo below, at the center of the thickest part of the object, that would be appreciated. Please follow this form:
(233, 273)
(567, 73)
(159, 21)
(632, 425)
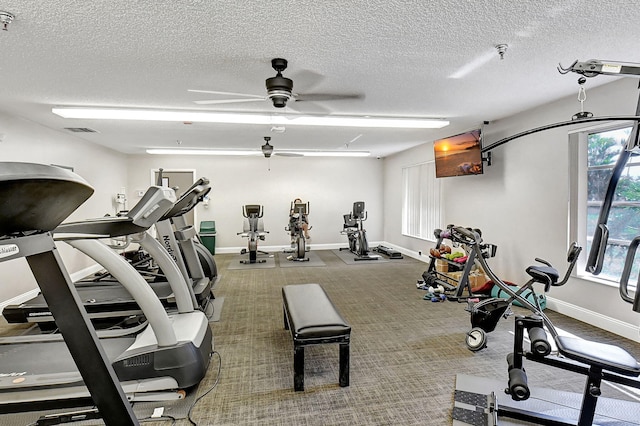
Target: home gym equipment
(598, 362)
(156, 362)
(355, 232)
(253, 231)
(594, 68)
(486, 313)
(456, 272)
(296, 221)
(27, 192)
(107, 302)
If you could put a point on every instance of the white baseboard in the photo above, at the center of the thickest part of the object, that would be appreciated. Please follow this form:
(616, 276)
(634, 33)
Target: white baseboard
(414, 254)
(612, 325)
(275, 249)
(21, 298)
(332, 246)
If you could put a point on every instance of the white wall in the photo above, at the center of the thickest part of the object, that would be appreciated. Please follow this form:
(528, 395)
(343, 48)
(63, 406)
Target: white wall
(331, 185)
(102, 168)
(521, 202)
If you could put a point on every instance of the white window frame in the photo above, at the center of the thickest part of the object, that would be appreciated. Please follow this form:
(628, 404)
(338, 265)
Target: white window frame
(578, 168)
(421, 201)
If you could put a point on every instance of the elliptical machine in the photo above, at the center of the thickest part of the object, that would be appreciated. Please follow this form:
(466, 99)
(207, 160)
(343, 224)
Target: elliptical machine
(295, 227)
(356, 233)
(254, 231)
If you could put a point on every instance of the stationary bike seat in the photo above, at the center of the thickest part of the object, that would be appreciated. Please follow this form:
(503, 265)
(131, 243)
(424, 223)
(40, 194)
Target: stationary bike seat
(546, 275)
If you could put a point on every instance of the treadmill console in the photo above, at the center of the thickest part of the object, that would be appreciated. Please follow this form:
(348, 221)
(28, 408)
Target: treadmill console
(153, 205)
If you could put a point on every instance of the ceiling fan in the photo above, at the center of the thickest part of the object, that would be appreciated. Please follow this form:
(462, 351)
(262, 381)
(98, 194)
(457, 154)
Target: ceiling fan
(279, 91)
(267, 150)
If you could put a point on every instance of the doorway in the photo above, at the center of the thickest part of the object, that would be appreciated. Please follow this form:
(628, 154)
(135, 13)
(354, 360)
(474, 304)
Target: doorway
(180, 181)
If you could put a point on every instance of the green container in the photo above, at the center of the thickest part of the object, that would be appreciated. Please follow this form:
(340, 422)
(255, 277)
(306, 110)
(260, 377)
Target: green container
(208, 235)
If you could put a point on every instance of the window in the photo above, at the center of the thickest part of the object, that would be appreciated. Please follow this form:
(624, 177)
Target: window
(420, 201)
(602, 149)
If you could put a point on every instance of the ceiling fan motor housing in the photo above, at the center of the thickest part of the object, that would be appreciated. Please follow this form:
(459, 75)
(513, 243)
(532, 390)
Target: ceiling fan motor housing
(279, 90)
(267, 149)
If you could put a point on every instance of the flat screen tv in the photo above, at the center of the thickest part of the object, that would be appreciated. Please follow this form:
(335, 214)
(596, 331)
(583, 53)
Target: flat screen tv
(459, 155)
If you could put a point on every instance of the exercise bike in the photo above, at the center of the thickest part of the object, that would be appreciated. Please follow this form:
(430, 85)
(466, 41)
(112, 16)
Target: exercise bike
(356, 233)
(253, 231)
(486, 313)
(296, 229)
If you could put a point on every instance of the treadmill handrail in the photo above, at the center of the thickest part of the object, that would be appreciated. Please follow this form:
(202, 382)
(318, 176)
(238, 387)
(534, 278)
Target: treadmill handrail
(134, 283)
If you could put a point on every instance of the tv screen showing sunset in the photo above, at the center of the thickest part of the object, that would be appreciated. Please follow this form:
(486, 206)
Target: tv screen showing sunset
(458, 155)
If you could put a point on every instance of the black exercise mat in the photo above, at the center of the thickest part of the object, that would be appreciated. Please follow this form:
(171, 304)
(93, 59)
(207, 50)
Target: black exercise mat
(350, 259)
(235, 264)
(314, 260)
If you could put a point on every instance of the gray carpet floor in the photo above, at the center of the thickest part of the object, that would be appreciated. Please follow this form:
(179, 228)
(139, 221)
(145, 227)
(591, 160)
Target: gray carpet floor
(405, 351)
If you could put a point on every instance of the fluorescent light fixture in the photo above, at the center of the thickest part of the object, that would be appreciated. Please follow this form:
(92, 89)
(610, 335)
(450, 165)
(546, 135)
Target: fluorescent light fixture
(177, 151)
(246, 118)
(326, 153)
(303, 153)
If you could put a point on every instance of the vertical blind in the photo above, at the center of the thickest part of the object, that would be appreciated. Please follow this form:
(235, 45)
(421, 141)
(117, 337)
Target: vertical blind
(420, 201)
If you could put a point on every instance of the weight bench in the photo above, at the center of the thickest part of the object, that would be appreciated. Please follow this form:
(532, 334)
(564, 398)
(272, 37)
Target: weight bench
(313, 320)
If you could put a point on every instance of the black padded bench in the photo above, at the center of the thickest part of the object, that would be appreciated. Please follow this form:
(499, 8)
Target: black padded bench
(313, 320)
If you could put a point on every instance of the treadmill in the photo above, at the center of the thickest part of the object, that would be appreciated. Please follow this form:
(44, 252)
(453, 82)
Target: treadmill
(107, 302)
(159, 362)
(27, 193)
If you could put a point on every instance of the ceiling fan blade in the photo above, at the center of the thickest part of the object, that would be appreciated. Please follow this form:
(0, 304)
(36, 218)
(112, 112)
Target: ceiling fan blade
(226, 101)
(306, 107)
(213, 92)
(288, 154)
(319, 97)
(306, 80)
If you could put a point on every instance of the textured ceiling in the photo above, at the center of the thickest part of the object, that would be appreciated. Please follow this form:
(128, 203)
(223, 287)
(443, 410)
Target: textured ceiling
(399, 54)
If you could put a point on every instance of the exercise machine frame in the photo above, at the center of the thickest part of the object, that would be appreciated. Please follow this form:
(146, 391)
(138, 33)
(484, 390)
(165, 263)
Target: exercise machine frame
(253, 213)
(297, 232)
(353, 228)
(486, 313)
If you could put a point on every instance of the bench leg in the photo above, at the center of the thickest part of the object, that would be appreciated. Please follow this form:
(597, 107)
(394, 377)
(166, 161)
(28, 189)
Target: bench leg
(284, 316)
(344, 364)
(298, 368)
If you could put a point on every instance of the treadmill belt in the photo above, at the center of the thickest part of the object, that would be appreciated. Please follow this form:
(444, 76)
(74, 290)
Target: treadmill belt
(33, 361)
